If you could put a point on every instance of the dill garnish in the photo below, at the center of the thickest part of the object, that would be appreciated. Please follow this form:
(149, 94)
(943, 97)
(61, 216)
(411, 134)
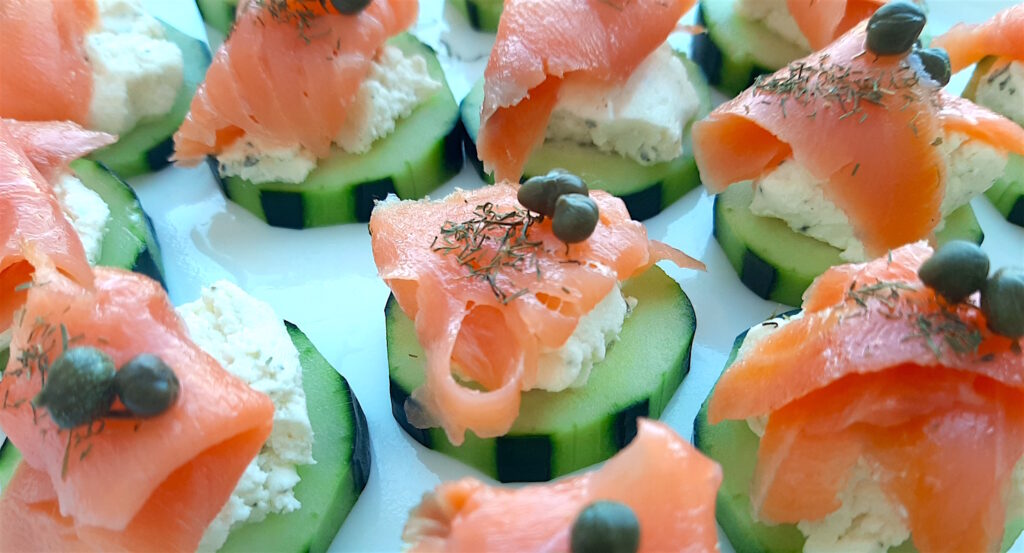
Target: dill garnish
(489, 242)
(301, 14)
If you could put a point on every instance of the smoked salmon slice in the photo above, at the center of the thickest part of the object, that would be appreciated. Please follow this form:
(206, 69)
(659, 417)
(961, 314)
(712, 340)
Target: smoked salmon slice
(52, 145)
(883, 124)
(489, 286)
(32, 224)
(541, 42)
(44, 72)
(1001, 36)
(123, 484)
(286, 81)
(878, 368)
(822, 21)
(668, 484)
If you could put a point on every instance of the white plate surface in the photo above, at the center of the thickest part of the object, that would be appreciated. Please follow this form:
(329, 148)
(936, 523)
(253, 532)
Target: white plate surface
(325, 281)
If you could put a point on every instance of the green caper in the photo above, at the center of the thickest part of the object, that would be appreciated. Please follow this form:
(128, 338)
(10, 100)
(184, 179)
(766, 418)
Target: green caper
(1002, 302)
(936, 63)
(957, 270)
(540, 194)
(575, 218)
(605, 527)
(79, 387)
(894, 28)
(147, 386)
(350, 7)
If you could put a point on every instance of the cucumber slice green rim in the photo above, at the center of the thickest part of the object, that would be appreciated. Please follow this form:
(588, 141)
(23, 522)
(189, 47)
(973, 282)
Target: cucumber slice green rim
(646, 190)
(328, 489)
(558, 433)
(129, 241)
(777, 263)
(219, 14)
(421, 154)
(149, 145)
(734, 446)
(483, 15)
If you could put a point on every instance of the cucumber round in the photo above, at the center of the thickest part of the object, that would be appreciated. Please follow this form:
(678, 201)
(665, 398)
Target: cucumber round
(734, 446)
(219, 14)
(777, 263)
(558, 433)
(483, 15)
(129, 241)
(148, 146)
(1007, 194)
(423, 153)
(328, 489)
(733, 50)
(645, 189)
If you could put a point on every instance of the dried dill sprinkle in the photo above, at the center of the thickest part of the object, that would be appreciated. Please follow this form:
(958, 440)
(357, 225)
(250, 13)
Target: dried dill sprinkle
(490, 242)
(301, 14)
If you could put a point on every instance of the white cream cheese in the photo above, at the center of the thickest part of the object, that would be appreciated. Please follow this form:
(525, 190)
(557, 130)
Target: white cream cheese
(1001, 89)
(249, 340)
(86, 211)
(774, 15)
(569, 366)
(643, 119)
(394, 87)
(136, 72)
(789, 192)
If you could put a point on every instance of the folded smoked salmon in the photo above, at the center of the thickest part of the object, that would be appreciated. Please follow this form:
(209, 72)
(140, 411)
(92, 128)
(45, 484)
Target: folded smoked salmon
(667, 484)
(879, 413)
(120, 483)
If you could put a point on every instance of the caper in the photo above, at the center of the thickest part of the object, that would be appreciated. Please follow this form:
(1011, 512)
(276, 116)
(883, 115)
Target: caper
(540, 194)
(79, 387)
(894, 28)
(957, 270)
(936, 63)
(605, 527)
(1002, 302)
(575, 218)
(147, 386)
(350, 7)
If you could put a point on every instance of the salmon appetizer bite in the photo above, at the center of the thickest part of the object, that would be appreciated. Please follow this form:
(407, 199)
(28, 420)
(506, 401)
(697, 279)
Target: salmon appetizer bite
(614, 104)
(887, 415)
(308, 114)
(997, 47)
(656, 495)
(746, 38)
(846, 154)
(527, 328)
(157, 429)
(107, 65)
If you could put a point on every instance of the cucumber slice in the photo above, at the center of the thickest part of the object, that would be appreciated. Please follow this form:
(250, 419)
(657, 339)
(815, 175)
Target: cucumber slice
(483, 15)
(219, 14)
(129, 241)
(558, 433)
(328, 489)
(778, 264)
(423, 153)
(734, 446)
(149, 145)
(645, 189)
(734, 51)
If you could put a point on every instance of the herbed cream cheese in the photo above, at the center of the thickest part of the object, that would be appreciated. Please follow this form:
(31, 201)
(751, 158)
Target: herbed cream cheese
(789, 192)
(249, 340)
(643, 119)
(774, 15)
(86, 211)
(136, 72)
(1001, 89)
(394, 87)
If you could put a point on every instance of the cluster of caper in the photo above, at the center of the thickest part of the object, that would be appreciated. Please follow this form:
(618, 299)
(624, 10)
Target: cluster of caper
(350, 7)
(566, 199)
(959, 269)
(894, 30)
(605, 527)
(81, 385)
